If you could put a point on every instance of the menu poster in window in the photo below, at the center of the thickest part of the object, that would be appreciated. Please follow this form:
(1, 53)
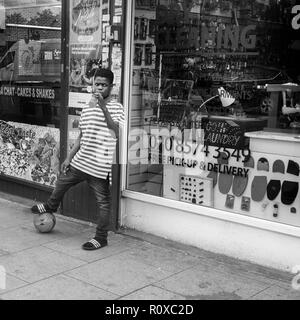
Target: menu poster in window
(29, 58)
(29, 152)
(79, 100)
(85, 21)
(85, 58)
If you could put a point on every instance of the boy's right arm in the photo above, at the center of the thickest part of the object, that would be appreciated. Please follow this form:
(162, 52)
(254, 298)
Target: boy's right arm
(65, 165)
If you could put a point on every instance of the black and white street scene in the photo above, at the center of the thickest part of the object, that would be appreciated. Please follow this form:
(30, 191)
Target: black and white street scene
(149, 153)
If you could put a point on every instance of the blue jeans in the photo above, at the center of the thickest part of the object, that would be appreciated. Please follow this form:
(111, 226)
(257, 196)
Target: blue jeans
(100, 188)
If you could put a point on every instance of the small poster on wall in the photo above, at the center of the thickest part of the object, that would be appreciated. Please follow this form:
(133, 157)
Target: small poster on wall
(29, 58)
(116, 68)
(85, 21)
(85, 44)
(85, 59)
(29, 152)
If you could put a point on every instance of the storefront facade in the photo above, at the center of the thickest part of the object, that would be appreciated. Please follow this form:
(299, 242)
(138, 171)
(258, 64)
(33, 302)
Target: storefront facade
(210, 152)
(48, 53)
(213, 126)
(30, 97)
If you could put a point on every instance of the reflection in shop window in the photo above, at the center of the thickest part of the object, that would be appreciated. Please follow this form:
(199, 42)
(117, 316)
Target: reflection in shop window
(30, 59)
(215, 91)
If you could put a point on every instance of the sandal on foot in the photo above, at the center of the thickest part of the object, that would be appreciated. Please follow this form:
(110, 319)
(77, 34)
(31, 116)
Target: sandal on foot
(94, 244)
(41, 208)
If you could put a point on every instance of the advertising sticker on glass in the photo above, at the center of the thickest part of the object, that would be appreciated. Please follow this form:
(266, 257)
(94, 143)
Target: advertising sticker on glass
(85, 21)
(29, 152)
(85, 39)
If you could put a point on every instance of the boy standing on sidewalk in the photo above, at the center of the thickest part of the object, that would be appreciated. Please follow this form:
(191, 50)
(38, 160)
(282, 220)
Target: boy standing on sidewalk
(92, 156)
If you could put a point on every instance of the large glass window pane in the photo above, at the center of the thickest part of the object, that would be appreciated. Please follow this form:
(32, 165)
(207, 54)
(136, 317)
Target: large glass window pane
(30, 59)
(215, 113)
(95, 41)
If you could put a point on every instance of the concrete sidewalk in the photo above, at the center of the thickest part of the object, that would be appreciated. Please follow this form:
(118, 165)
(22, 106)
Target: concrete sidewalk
(134, 266)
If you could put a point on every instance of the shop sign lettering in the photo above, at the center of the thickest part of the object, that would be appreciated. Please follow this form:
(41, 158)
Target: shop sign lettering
(7, 130)
(222, 133)
(164, 142)
(222, 139)
(231, 170)
(229, 37)
(202, 165)
(181, 148)
(27, 92)
(296, 19)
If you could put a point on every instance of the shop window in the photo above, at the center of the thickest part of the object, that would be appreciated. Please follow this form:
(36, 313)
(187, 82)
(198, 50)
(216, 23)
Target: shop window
(95, 42)
(30, 60)
(215, 113)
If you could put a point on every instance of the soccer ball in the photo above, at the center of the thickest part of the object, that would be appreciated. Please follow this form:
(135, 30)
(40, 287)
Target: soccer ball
(44, 222)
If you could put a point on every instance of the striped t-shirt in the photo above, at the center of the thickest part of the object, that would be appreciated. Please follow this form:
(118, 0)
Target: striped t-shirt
(97, 145)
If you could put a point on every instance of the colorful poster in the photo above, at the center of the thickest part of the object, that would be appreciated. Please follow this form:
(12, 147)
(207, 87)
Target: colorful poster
(29, 152)
(85, 58)
(85, 43)
(29, 58)
(85, 21)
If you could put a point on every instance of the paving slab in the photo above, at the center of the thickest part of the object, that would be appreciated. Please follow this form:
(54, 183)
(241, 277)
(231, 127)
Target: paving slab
(37, 263)
(119, 274)
(203, 283)
(12, 283)
(277, 293)
(134, 266)
(20, 238)
(26, 236)
(14, 218)
(170, 260)
(72, 246)
(153, 293)
(59, 287)
(255, 272)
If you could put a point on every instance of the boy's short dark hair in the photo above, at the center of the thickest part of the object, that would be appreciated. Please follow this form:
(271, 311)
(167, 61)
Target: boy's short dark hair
(105, 73)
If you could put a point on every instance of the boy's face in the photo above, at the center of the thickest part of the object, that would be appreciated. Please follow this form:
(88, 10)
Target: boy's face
(103, 86)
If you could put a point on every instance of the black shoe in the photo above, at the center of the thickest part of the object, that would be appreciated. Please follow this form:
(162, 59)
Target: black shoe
(41, 208)
(94, 244)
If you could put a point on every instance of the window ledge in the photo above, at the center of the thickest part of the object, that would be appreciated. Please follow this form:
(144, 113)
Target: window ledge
(215, 213)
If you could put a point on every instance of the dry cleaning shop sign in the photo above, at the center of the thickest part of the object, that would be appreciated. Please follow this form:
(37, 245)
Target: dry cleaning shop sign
(223, 133)
(27, 92)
